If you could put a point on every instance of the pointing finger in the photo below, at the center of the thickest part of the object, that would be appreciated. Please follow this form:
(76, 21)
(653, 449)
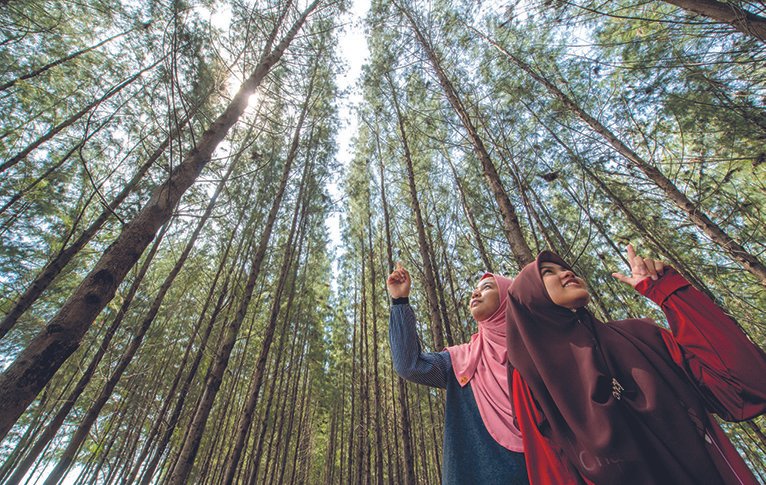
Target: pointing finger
(631, 253)
(621, 277)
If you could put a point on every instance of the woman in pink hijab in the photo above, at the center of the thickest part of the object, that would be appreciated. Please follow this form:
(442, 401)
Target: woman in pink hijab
(482, 445)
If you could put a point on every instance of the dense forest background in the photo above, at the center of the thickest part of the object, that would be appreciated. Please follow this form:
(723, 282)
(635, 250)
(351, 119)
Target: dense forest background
(175, 308)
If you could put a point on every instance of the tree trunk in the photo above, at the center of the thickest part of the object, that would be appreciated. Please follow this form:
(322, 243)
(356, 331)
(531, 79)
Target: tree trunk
(729, 13)
(329, 461)
(376, 379)
(519, 247)
(37, 363)
(351, 438)
(428, 271)
(57, 264)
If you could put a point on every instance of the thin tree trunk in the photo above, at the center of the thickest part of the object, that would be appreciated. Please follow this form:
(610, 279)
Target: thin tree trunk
(519, 247)
(409, 457)
(37, 363)
(72, 119)
(376, 380)
(422, 428)
(363, 450)
(393, 464)
(352, 426)
(329, 464)
(303, 445)
(386, 216)
(64, 59)
(342, 460)
(435, 435)
(716, 234)
(437, 332)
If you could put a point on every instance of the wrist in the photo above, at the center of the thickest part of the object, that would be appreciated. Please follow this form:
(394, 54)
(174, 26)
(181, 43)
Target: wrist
(638, 281)
(667, 284)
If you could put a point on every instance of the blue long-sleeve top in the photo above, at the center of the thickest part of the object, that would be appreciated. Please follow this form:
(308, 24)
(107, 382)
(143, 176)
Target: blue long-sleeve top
(471, 455)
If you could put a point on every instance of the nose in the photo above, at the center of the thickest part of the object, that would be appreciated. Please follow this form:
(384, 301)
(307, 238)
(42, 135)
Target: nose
(475, 293)
(567, 273)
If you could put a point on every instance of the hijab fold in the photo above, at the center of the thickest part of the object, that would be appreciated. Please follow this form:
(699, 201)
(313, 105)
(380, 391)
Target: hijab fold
(482, 362)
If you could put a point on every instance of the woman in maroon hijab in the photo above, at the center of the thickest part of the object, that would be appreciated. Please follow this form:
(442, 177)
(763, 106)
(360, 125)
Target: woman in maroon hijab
(628, 402)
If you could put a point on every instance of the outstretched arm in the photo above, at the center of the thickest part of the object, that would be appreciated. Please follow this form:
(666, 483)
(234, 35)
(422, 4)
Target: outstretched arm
(729, 369)
(410, 362)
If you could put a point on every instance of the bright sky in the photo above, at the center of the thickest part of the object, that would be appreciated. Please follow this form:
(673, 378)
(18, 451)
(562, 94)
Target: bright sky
(353, 50)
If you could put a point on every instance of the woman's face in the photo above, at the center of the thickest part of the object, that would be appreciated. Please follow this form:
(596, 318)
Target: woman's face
(564, 287)
(485, 299)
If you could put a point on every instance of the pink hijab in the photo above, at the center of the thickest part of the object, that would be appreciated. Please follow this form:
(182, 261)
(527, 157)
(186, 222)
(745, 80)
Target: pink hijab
(482, 362)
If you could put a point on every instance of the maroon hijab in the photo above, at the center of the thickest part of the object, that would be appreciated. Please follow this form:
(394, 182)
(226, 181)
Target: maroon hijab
(614, 402)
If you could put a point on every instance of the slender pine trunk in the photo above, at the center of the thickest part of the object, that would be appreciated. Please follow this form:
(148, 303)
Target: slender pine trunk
(716, 234)
(513, 232)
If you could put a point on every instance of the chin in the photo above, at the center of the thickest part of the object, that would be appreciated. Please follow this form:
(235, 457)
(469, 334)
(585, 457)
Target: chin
(582, 303)
(575, 303)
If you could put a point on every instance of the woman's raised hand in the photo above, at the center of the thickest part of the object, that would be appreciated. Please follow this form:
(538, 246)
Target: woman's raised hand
(399, 282)
(640, 268)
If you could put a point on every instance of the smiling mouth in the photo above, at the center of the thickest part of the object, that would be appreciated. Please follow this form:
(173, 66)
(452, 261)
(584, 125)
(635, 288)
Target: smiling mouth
(570, 283)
